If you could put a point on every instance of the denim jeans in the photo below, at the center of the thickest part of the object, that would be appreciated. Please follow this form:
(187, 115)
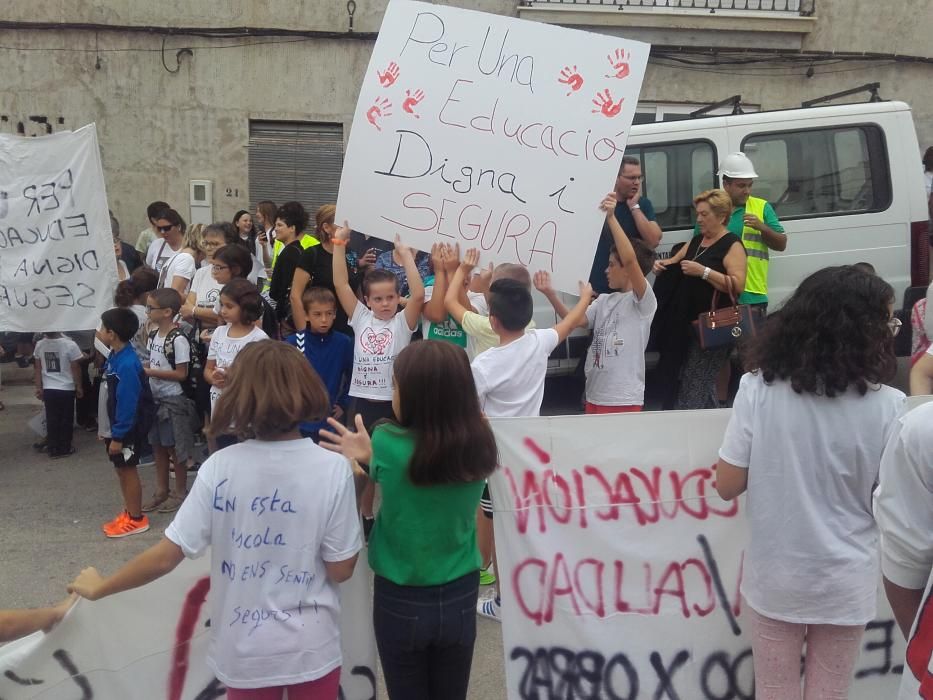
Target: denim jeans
(425, 636)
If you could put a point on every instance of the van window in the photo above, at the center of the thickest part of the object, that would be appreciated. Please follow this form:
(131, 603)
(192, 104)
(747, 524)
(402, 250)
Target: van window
(674, 174)
(821, 171)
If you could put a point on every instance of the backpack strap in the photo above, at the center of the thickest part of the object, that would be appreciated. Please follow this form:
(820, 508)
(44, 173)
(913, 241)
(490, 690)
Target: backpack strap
(168, 347)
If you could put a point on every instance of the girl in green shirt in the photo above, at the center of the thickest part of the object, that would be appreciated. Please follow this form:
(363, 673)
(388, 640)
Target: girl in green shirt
(431, 463)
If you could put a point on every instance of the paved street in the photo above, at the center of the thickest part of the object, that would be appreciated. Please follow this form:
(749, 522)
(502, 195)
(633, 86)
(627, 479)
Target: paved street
(50, 517)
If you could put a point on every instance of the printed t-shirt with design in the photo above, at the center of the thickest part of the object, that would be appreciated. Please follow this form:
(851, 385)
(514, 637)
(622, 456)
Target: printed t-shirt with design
(903, 507)
(449, 329)
(55, 355)
(811, 460)
(275, 612)
(510, 378)
(205, 288)
(224, 349)
(164, 388)
(376, 343)
(615, 361)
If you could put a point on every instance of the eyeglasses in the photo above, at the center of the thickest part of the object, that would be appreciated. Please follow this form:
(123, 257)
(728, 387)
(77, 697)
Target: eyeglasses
(218, 268)
(211, 244)
(150, 309)
(165, 229)
(895, 324)
(635, 178)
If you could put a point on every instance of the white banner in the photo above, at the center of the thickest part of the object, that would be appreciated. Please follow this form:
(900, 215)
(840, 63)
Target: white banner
(151, 643)
(491, 132)
(57, 265)
(620, 566)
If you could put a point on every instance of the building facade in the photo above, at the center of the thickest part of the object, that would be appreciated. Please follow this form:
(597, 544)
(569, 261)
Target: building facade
(213, 107)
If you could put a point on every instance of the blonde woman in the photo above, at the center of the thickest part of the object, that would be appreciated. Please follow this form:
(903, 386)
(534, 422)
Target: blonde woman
(713, 261)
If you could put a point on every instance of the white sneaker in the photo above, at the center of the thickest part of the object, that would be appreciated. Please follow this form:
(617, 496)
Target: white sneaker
(489, 607)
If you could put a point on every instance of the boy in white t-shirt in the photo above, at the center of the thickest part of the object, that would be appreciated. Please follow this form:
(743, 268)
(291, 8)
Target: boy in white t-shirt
(620, 322)
(510, 377)
(172, 436)
(381, 332)
(58, 381)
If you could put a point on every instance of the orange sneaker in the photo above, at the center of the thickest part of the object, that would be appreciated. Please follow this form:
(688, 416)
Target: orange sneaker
(115, 522)
(127, 526)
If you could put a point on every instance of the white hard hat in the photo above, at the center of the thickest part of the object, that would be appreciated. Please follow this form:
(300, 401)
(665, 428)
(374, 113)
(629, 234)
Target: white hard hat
(737, 165)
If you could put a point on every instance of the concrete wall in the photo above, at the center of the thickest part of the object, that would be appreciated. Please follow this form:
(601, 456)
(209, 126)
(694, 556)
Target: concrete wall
(158, 130)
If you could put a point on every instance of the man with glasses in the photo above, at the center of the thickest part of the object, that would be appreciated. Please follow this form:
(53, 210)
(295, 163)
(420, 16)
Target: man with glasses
(634, 213)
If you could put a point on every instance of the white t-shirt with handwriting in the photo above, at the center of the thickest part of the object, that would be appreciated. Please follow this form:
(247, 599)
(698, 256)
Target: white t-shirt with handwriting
(376, 344)
(224, 349)
(615, 361)
(812, 464)
(510, 378)
(272, 514)
(205, 288)
(163, 388)
(56, 355)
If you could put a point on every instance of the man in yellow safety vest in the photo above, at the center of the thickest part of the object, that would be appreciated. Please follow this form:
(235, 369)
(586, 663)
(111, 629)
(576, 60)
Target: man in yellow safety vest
(755, 222)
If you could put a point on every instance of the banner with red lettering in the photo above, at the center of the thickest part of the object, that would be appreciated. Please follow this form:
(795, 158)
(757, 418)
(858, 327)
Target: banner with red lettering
(620, 566)
(491, 132)
(151, 643)
(58, 269)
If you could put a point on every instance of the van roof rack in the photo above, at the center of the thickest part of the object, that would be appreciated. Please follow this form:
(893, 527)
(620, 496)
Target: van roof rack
(871, 88)
(735, 101)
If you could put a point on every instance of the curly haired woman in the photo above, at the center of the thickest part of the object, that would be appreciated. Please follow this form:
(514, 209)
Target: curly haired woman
(805, 440)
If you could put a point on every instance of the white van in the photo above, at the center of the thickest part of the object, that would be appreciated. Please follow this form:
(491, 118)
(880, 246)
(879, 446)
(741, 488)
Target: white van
(846, 182)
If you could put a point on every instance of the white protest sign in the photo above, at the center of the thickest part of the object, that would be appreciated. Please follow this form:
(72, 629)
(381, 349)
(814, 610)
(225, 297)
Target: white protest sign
(620, 566)
(491, 132)
(152, 643)
(57, 265)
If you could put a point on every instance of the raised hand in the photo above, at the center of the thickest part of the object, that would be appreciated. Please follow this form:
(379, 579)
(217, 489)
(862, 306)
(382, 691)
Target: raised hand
(352, 445)
(605, 104)
(404, 252)
(411, 101)
(571, 78)
(586, 291)
(619, 62)
(542, 282)
(608, 204)
(470, 260)
(381, 108)
(389, 76)
(342, 233)
(451, 257)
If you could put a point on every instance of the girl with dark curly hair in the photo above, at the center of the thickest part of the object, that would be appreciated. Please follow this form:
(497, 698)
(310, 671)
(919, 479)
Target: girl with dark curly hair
(805, 439)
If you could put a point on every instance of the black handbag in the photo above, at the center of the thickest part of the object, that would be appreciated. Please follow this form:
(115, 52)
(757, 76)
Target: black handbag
(719, 328)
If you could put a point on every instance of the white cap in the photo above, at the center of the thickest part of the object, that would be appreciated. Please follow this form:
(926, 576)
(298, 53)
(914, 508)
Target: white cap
(737, 165)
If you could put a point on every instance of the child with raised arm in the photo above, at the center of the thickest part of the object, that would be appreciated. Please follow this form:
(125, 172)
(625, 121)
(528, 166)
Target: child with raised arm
(464, 308)
(381, 332)
(510, 377)
(438, 323)
(302, 497)
(620, 321)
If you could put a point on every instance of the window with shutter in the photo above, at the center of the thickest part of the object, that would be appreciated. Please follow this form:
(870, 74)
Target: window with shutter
(295, 161)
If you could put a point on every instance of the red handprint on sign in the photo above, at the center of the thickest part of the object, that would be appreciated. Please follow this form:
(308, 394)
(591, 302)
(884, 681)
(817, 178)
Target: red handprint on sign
(411, 101)
(389, 76)
(604, 104)
(619, 63)
(381, 108)
(570, 78)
